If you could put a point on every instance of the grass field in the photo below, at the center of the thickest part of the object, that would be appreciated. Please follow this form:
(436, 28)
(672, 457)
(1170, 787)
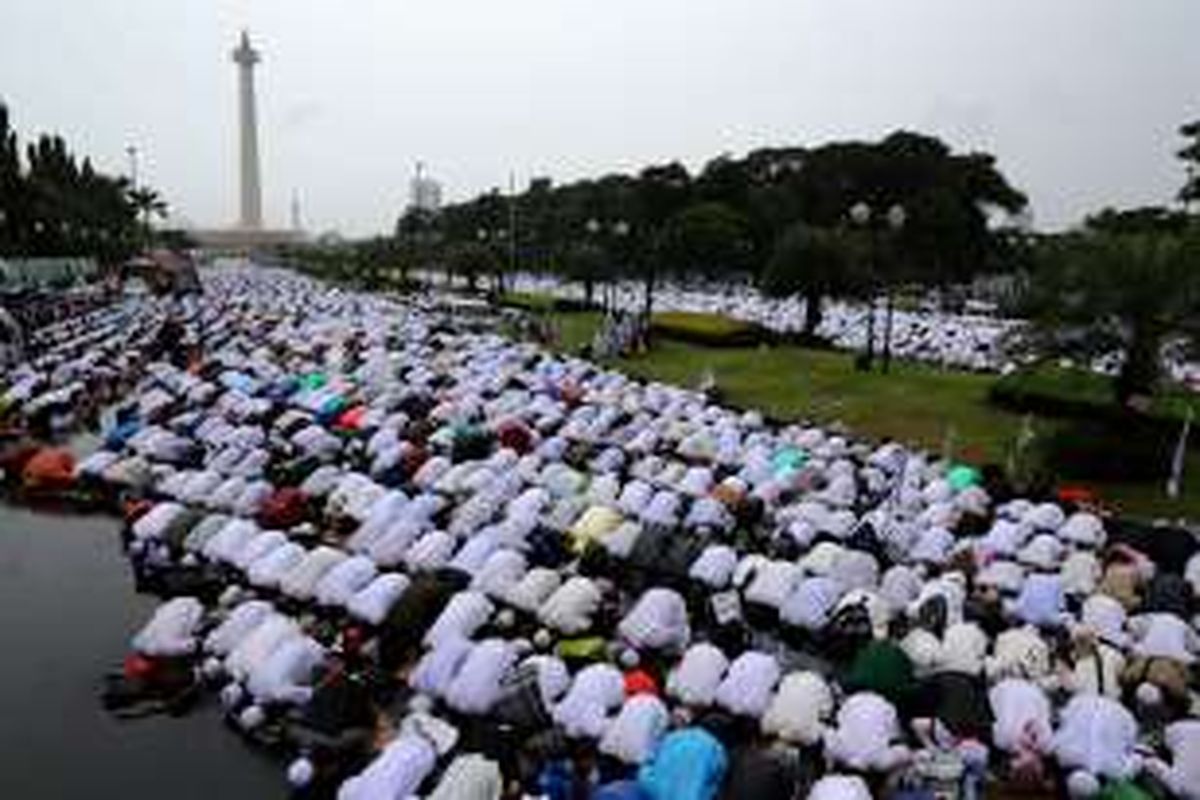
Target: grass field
(917, 404)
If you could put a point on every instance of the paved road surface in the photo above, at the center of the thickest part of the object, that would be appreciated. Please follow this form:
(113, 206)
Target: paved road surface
(67, 610)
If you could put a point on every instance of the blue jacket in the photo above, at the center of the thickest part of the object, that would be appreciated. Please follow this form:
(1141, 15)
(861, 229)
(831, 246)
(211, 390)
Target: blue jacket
(689, 764)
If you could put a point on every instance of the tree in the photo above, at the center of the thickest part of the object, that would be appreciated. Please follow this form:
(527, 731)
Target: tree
(470, 260)
(417, 233)
(1098, 291)
(53, 205)
(1147, 219)
(952, 200)
(1190, 155)
(708, 239)
(814, 263)
(661, 191)
(147, 204)
(589, 264)
(11, 187)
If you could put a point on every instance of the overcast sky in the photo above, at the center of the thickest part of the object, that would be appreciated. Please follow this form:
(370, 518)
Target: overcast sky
(1079, 99)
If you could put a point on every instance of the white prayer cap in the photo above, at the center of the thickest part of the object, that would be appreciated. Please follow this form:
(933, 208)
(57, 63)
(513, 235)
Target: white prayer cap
(840, 787)
(1007, 576)
(1044, 551)
(820, 560)
(1084, 529)
(1046, 517)
(1082, 784)
(300, 773)
(1104, 616)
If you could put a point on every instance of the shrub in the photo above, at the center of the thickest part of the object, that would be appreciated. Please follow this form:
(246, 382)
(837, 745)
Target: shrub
(1100, 450)
(1079, 394)
(712, 330)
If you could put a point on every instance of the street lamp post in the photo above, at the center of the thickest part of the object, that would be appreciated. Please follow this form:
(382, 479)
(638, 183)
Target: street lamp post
(132, 152)
(863, 215)
(621, 232)
(860, 214)
(896, 218)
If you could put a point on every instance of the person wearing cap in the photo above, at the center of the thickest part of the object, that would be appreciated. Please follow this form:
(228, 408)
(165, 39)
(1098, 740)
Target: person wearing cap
(1022, 653)
(714, 567)
(695, 679)
(900, 586)
(286, 675)
(946, 595)
(1081, 573)
(571, 607)
(595, 691)
(840, 787)
(470, 776)
(747, 687)
(800, 709)
(1163, 651)
(438, 666)
(954, 697)
(1100, 642)
(1022, 727)
(657, 621)
(172, 630)
(867, 736)
(236, 626)
(1125, 572)
(1181, 776)
(1041, 601)
(398, 771)
(466, 613)
(1096, 738)
(633, 734)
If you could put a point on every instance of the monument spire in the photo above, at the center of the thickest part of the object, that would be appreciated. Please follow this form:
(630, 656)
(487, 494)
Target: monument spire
(246, 57)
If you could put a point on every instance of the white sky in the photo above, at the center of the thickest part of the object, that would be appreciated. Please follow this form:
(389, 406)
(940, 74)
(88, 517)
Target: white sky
(1079, 99)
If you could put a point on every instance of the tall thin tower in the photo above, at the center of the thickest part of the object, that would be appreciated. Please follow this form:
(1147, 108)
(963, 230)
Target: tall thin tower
(246, 57)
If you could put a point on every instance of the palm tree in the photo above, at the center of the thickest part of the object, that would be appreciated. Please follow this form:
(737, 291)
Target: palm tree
(147, 203)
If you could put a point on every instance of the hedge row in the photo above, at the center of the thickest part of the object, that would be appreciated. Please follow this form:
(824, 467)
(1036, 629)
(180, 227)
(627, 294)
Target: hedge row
(1079, 394)
(530, 301)
(711, 330)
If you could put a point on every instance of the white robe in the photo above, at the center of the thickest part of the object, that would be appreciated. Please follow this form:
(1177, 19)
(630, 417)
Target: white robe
(569, 610)
(465, 613)
(746, 689)
(1021, 712)
(286, 675)
(695, 679)
(240, 623)
(394, 774)
(636, 730)
(476, 686)
(342, 581)
(867, 726)
(1098, 735)
(171, 630)
(800, 708)
(657, 621)
(373, 602)
(596, 690)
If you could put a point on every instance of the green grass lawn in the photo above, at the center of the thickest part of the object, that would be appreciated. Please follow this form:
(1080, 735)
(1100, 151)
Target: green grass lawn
(916, 404)
(534, 301)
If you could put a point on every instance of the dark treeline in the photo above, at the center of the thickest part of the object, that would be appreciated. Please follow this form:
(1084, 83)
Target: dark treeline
(731, 219)
(54, 204)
